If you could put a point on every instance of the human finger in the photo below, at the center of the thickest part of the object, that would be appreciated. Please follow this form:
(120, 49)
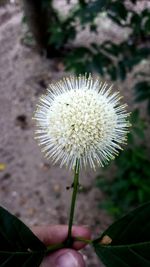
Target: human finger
(54, 234)
(64, 258)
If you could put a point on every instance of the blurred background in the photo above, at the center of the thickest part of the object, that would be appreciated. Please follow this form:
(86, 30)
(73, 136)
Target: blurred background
(40, 42)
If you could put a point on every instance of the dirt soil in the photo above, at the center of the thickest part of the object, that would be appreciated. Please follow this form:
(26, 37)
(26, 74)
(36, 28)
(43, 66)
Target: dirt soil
(30, 187)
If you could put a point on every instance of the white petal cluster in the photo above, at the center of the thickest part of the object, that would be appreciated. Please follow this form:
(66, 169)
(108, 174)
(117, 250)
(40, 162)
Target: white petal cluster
(79, 118)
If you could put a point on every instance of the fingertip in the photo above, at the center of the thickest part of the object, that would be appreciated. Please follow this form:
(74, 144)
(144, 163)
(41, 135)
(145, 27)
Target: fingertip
(64, 258)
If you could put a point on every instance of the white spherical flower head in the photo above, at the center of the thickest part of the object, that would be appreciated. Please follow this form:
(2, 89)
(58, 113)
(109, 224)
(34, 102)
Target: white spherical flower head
(79, 118)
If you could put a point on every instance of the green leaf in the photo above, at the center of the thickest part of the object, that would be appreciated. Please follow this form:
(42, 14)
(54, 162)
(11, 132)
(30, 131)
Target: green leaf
(86, 13)
(111, 70)
(118, 9)
(18, 245)
(111, 48)
(148, 107)
(147, 25)
(121, 70)
(133, 1)
(142, 91)
(126, 243)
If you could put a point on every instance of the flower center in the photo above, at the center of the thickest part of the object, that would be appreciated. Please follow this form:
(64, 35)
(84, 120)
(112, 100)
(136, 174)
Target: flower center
(81, 121)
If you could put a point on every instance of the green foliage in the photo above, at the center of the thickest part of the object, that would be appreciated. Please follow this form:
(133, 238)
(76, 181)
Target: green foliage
(18, 246)
(109, 58)
(87, 12)
(62, 31)
(128, 240)
(130, 185)
(142, 93)
(99, 58)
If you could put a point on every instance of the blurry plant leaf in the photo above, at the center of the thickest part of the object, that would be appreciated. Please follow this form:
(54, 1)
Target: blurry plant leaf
(139, 132)
(133, 55)
(135, 19)
(148, 107)
(111, 48)
(130, 138)
(126, 243)
(118, 8)
(82, 3)
(131, 177)
(134, 118)
(18, 245)
(79, 60)
(143, 52)
(103, 64)
(112, 71)
(142, 91)
(147, 25)
(87, 12)
(97, 64)
(121, 71)
(138, 125)
(130, 181)
(133, 1)
(24, 19)
(93, 28)
(117, 12)
(46, 3)
(61, 33)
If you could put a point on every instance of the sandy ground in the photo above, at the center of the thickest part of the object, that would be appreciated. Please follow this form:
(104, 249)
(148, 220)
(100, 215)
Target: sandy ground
(30, 187)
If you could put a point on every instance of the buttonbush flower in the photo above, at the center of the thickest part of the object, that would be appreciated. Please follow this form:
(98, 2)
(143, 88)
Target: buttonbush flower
(81, 118)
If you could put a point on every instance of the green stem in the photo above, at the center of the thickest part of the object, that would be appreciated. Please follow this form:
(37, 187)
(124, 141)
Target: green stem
(73, 201)
(54, 247)
(82, 239)
(69, 240)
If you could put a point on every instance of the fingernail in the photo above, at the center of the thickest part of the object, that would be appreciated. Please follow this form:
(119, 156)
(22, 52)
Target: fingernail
(67, 260)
